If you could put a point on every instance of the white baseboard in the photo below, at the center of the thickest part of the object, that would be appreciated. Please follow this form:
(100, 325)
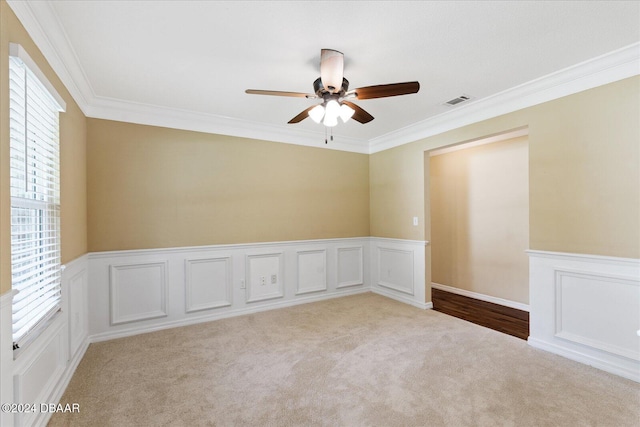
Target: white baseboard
(110, 335)
(629, 372)
(481, 297)
(401, 298)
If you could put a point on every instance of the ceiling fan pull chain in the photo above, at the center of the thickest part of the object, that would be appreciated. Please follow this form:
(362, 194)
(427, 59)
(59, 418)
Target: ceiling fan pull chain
(325, 135)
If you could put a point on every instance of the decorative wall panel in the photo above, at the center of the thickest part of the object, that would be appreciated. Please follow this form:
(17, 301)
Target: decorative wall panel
(138, 291)
(37, 371)
(600, 311)
(78, 329)
(312, 271)
(398, 271)
(350, 266)
(265, 278)
(395, 269)
(586, 308)
(208, 283)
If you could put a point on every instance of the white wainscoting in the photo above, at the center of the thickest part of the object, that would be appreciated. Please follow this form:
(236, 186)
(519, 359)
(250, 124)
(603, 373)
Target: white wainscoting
(398, 270)
(108, 295)
(587, 308)
(145, 290)
(39, 372)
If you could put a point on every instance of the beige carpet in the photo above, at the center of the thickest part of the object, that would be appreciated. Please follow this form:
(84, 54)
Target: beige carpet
(362, 360)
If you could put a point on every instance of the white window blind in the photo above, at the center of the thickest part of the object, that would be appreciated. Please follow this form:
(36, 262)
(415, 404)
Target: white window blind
(35, 198)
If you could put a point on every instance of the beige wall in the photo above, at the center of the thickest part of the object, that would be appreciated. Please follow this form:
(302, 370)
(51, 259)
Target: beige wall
(397, 193)
(584, 176)
(72, 153)
(152, 187)
(584, 173)
(480, 219)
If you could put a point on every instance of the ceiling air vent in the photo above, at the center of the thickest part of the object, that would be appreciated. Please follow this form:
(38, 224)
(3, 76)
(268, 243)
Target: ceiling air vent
(458, 100)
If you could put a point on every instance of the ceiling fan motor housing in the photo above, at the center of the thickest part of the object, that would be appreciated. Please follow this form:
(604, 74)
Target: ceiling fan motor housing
(318, 88)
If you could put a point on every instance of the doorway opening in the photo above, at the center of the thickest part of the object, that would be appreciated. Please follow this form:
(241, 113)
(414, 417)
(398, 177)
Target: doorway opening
(478, 205)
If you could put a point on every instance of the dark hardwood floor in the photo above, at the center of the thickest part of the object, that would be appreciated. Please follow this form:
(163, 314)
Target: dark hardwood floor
(498, 317)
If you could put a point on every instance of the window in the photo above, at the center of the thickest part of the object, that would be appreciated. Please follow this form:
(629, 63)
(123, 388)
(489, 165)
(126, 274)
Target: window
(35, 195)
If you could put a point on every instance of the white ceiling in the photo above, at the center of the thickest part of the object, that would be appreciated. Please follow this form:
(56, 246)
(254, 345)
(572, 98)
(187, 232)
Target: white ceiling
(189, 62)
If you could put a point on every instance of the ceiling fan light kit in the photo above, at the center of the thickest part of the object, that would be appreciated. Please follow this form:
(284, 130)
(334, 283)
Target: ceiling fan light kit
(328, 113)
(346, 112)
(317, 113)
(331, 113)
(333, 89)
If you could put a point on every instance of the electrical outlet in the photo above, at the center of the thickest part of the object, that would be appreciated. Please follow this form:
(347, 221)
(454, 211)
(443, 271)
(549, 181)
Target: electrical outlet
(263, 281)
(415, 220)
(274, 279)
(242, 285)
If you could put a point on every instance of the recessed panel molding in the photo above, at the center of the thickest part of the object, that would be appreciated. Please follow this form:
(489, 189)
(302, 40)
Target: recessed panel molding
(208, 283)
(138, 291)
(350, 266)
(312, 271)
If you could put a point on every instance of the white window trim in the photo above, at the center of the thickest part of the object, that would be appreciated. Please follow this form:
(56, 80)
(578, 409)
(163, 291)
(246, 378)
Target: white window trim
(18, 51)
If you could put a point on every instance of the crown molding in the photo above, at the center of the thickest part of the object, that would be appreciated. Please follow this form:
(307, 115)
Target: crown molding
(42, 24)
(113, 109)
(604, 69)
(44, 28)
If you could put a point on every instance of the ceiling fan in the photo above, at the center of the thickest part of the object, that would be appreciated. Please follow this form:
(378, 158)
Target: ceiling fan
(334, 91)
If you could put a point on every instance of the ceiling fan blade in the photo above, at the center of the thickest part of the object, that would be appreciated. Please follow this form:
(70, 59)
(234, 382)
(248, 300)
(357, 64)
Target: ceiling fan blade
(383, 91)
(331, 69)
(360, 115)
(280, 93)
(300, 117)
